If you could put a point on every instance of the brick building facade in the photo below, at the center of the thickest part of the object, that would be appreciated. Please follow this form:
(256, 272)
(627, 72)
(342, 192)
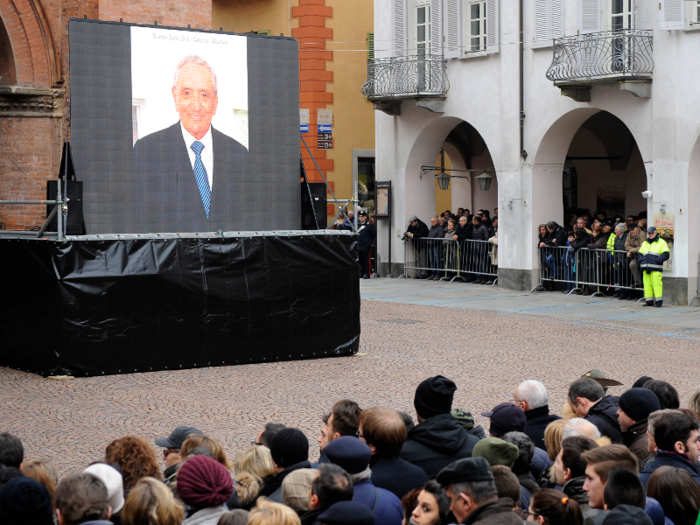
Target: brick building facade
(35, 85)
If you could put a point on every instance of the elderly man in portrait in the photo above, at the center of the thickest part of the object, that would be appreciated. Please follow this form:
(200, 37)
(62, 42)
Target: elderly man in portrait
(185, 174)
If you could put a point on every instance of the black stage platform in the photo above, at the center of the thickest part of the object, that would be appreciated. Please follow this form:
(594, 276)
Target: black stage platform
(110, 304)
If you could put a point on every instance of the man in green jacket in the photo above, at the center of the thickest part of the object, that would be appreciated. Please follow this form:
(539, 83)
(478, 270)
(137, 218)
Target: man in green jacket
(652, 255)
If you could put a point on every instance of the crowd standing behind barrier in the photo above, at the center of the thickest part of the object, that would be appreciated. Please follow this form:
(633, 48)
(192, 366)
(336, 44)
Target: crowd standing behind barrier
(610, 460)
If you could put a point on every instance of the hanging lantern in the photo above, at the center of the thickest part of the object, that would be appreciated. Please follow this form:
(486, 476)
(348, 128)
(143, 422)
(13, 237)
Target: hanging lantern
(443, 181)
(484, 181)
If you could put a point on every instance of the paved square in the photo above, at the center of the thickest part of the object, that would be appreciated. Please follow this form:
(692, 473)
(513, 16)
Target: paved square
(486, 340)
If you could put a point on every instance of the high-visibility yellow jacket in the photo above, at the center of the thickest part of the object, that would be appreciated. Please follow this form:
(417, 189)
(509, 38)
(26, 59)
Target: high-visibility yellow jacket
(653, 254)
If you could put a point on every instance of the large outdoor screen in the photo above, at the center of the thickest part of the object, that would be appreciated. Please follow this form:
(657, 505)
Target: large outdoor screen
(179, 130)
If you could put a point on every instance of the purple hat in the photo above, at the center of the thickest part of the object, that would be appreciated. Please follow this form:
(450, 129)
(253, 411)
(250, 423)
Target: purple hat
(505, 418)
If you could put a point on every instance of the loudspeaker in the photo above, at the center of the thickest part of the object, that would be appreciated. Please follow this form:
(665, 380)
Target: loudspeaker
(319, 200)
(75, 223)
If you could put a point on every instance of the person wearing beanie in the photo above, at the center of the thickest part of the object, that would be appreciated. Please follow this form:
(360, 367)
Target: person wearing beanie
(639, 383)
(465, 418)
(353, 456)
(296, 487)
(115, 487)
(496, 452)
(635, 405)
(347, 513)
(438, 439)
(24, 501)
(205, 486)
(289, 449)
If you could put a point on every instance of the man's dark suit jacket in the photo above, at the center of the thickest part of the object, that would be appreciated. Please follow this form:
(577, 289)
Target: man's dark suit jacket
(165, 196)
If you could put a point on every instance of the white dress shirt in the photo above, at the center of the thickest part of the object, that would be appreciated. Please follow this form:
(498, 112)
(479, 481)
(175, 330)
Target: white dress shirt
(207, 152)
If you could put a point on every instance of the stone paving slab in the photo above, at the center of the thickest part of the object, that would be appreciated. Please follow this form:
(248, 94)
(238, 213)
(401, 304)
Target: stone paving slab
(487, 342)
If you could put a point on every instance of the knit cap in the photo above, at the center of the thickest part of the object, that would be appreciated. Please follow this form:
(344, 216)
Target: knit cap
(114, 482)
(434, 397)
(496, 452)
(24, 501)
(638, 403)
(289, 447)
(203, 482)
(296, 487)
(464, 418)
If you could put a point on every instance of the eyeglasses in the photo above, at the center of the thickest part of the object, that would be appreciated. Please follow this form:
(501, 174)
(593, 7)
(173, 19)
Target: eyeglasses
(359, 435)
(169, 451)
(257, 444)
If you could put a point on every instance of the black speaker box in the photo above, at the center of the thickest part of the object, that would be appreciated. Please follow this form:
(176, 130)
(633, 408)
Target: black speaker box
(75, 223)
(319, 200)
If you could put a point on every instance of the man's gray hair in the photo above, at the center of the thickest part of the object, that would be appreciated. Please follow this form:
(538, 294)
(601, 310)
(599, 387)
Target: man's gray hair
(533, 392)
(587, 388)
(194, 59)
(620, 227)
(479, 491)
(580, 427)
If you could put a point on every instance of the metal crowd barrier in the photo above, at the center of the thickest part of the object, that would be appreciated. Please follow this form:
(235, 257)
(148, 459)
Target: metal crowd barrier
(465, 260)
(596, 268)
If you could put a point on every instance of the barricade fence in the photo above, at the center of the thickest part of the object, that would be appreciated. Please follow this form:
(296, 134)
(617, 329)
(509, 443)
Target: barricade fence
(596, 268)
(448, 259)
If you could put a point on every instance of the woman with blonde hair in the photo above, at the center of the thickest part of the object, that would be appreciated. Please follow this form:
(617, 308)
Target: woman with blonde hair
(210, 443)
(553, 436)
(253, 468)
(43, 472)
(268, 513)
(150, 502)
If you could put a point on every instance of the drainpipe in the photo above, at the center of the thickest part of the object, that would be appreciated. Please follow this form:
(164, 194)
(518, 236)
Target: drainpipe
(523, 153)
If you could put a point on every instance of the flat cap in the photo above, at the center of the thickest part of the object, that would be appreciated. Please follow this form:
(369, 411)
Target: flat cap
(464, 471)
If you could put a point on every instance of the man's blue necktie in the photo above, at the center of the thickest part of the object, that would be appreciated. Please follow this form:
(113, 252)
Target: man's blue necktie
(200, 174)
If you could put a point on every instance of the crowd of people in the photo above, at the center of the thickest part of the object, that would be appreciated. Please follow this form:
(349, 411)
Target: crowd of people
(476, 262)
(623, 258)
(610, 460)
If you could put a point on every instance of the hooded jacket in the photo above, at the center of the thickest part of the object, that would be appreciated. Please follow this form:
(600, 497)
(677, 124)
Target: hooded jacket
(634, 242)
(558, 235)
(273, 489)
(635, 438)
(604, 416)
(437, 442)
(419, 231)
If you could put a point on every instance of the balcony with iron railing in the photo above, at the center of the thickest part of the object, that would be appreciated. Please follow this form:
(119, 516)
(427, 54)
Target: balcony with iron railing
(392, 80)
(624, 56)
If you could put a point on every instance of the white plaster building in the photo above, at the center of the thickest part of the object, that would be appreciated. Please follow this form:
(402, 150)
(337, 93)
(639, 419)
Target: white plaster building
(624, 110)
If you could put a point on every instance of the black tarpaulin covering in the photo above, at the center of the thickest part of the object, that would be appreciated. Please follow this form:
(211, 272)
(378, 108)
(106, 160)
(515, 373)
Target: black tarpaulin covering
(123, 304)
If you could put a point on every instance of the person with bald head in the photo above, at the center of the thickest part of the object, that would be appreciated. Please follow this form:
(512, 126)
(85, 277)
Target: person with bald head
(185, 174)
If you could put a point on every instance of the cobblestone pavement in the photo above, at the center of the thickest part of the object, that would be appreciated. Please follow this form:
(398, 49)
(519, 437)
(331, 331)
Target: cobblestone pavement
(485, 353)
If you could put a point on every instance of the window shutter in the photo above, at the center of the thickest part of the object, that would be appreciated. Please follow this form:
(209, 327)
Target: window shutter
(492, 26)
(557, 18)
(589, 16)
(399, 28)
(370, 45)
(436, 27)
(541, 20)
(671, 15)
(453, 25)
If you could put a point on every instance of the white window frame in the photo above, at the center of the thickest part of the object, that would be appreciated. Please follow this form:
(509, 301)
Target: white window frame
(629, 13)
(422, 4)
(550, 9)
(467, 28)
(692, 16)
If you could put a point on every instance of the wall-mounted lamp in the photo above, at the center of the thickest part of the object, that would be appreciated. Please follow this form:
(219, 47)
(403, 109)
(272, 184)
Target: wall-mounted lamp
(646, 194)
(484, 181)
(662, 208)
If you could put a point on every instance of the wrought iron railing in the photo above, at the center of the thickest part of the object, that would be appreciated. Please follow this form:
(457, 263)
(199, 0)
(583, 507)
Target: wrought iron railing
(610, 54)
(405, 77)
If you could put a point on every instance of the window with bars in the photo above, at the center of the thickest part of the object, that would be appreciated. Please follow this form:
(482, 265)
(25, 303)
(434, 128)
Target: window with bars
(477, 27)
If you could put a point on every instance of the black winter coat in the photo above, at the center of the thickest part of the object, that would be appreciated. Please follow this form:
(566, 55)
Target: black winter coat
(465, 233)
(396, 475)
(537, 421)
(420, 231)
(437, 442)
(604, 416)
(366, 234)
(581, 242)
(559, 235)
(480, 233)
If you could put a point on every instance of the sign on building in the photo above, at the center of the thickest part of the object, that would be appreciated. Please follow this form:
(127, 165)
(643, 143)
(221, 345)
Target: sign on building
(304, 120)
(324, 120)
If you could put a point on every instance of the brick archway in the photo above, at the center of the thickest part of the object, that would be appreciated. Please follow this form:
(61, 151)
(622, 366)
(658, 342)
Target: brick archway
(33, 47)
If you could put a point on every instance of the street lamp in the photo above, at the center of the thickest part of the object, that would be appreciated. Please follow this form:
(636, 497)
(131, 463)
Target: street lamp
(484, 181)
(443, 181)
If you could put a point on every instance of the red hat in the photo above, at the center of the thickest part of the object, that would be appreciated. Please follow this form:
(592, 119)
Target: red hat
(203, 482)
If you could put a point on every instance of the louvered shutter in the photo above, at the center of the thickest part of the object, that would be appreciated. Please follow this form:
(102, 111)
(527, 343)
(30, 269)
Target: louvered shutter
(556, 18)
(436, 27)
(453, 26)
(492, 26)
(542, 33)
(671, 15)
(370, 45)
(589, 16)
(400, 28)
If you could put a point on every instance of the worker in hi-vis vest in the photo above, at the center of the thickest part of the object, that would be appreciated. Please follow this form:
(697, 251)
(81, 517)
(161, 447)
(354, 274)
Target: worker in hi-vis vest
(652, 254)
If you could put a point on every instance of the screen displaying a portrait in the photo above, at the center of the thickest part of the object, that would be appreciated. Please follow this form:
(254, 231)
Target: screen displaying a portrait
(179, 130)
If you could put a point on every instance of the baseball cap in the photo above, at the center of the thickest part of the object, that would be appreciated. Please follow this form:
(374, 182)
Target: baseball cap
(177, 437)
(505, 418)
(651, 229)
